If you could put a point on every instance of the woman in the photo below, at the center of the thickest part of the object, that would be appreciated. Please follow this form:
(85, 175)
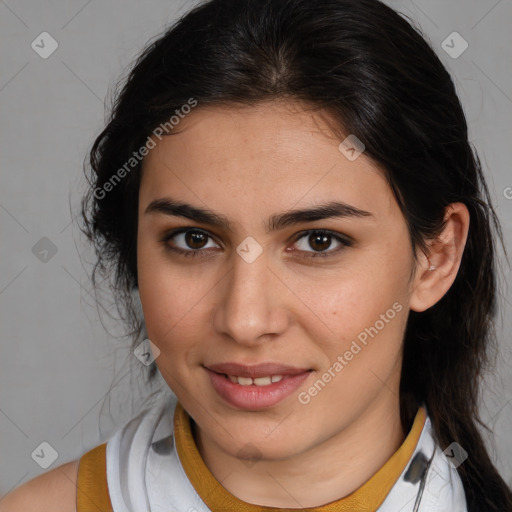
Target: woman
(289, 187)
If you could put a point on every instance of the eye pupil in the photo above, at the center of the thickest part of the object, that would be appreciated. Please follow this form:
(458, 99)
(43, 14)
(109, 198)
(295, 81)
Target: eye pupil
(324, 241)
(194, 237)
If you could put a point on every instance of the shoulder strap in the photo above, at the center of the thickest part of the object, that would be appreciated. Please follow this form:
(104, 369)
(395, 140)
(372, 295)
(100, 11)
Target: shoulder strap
(92, 489)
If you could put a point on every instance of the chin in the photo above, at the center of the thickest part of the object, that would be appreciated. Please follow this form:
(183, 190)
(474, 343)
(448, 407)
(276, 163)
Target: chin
(252, 449)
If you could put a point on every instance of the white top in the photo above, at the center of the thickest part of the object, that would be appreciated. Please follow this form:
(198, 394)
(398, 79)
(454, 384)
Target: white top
(144, 473)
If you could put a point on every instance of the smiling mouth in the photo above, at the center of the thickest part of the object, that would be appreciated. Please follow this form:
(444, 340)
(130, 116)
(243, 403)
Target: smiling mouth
(253, 387)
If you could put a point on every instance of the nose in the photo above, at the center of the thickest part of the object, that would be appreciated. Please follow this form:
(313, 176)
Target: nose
(250, 307)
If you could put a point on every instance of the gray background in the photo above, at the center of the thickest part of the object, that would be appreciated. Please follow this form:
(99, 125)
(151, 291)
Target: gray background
(62, 375)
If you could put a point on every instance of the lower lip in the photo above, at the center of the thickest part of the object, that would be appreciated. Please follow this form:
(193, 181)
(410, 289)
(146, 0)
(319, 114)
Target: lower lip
(255, 397)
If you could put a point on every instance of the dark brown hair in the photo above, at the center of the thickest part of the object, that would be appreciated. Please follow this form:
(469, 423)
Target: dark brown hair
(376, 75)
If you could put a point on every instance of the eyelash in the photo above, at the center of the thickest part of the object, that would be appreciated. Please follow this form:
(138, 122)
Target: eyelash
(204, 253)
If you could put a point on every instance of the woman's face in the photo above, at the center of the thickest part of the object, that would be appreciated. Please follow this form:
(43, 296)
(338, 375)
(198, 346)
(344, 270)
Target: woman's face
(258, 292)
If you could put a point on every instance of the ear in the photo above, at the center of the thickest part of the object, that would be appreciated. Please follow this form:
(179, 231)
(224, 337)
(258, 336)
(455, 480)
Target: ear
(436, 270)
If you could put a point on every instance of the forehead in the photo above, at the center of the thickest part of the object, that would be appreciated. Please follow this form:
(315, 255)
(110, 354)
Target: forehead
(270, 153)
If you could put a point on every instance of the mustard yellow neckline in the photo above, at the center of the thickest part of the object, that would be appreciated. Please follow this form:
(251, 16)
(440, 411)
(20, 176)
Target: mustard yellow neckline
(366, 498)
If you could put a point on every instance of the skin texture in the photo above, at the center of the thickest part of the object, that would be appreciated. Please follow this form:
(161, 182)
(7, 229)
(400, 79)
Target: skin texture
(54, 490)
(286, 306)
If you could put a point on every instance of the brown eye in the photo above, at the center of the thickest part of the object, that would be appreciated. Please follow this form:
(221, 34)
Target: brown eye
(188, 242)
(320, 241)
(195, 239)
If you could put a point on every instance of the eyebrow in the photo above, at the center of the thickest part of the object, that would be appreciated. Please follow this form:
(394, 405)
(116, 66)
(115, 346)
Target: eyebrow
(333, 209)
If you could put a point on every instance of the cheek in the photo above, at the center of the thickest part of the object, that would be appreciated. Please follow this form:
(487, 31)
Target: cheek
(361, 351)
(174, 301)
(364, 312)
(358, 299)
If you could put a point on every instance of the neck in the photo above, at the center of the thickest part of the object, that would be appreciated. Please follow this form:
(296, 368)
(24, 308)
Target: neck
(327, 472)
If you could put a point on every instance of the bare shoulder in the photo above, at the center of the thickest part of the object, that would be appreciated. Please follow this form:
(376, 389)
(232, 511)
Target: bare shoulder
(54, 490)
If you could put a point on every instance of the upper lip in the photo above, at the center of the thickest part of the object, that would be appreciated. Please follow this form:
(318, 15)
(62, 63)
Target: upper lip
(256, 370)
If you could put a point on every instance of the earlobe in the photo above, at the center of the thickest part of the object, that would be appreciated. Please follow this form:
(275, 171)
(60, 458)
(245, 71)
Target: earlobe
(436, 271)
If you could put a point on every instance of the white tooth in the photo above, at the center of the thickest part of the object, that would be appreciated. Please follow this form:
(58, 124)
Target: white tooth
(244, 381)
(276, 378)
(262, 381)
(233, 379)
